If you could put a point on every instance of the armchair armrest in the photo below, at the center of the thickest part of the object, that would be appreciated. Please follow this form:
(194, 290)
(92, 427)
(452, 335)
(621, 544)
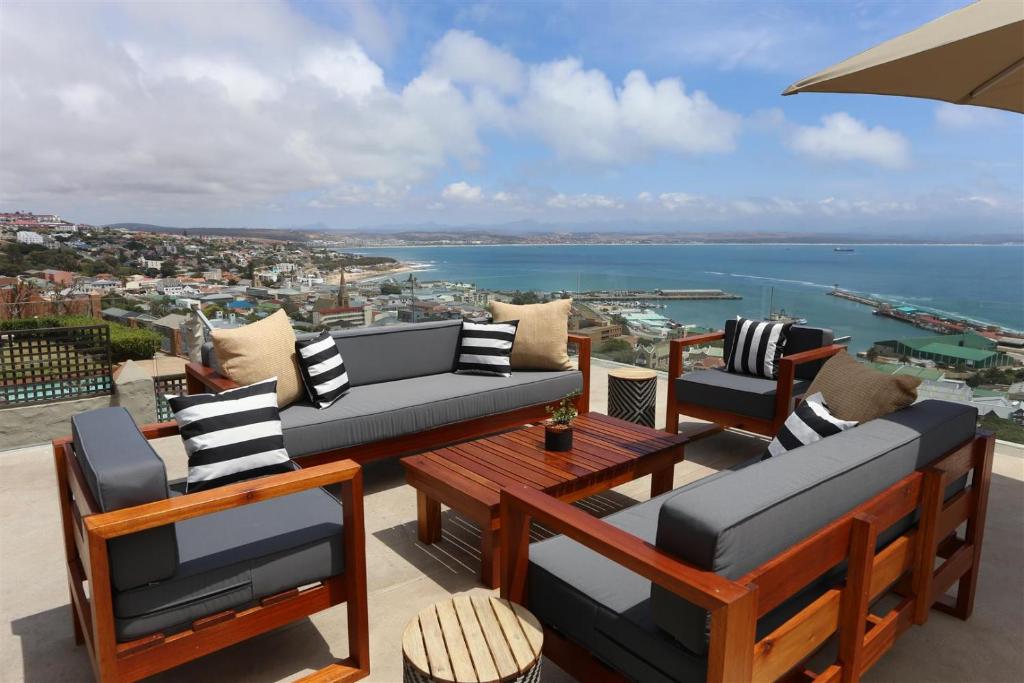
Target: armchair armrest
(109, 525)
(200, 378)
(582, 343)
(733, 606)
(787, 374)
(676, 346)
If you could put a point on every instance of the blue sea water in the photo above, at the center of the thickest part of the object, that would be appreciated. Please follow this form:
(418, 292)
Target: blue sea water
(984, 283)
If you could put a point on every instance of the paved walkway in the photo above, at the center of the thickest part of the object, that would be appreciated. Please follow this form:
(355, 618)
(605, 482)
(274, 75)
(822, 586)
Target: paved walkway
(406, 576)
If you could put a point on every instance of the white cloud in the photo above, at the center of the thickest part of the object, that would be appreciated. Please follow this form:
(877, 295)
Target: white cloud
(583, 201)
(146, 105)
(463, 192)
(580, 114)
(959, 116)
(464, 58)
(346, 70)
(840, 137)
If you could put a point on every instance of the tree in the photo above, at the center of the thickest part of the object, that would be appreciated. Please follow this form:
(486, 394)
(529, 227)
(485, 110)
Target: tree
(19, 297)
(168, 269)
(618, 319)
(522, 298)
(872, 354)
(614, 345)
(390, 288)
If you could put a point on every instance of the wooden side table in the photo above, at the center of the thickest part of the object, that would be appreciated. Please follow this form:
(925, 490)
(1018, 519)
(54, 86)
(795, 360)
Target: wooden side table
(471, 639)
(632, 393)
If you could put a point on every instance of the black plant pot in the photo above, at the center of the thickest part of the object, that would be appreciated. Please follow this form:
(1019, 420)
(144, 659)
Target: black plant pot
(558, 439)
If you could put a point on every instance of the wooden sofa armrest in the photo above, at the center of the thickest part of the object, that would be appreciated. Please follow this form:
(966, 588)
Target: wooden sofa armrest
(733, 606)
(109, 525)
(583, 344)
(787, 374)
(200, 378)
(676, 346)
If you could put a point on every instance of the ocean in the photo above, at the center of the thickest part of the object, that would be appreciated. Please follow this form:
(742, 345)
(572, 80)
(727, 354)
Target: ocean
(984, 283)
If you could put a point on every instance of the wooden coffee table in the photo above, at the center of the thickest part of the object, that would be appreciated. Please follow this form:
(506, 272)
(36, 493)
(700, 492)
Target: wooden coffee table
(469, 476)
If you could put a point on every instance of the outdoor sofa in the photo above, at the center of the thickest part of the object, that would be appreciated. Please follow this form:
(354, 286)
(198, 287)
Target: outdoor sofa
(743, 575)
(158, 577)
(406, 397)
(747, 402)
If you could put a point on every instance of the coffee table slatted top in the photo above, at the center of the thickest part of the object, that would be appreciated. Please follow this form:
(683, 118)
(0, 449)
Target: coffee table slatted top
(603, 447)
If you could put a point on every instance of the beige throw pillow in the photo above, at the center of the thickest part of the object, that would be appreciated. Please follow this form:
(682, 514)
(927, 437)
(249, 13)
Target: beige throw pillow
(855, 391)
(541, 335)
(259, 351)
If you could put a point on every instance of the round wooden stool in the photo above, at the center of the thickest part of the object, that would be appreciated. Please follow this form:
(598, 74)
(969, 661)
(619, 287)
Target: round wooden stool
(631, 394)
(472, 638)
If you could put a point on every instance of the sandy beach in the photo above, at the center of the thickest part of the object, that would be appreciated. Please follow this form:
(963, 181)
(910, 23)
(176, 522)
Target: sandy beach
(370, 274)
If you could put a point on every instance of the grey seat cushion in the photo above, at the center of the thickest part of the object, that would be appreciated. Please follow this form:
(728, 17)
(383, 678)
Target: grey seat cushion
(607, 609)
(122, 470)
(233, 558)
(742, 394)
(736, 523)
(385, 410)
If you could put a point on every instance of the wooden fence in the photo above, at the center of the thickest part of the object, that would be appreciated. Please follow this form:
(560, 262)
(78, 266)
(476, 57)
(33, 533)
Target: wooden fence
(55, 364)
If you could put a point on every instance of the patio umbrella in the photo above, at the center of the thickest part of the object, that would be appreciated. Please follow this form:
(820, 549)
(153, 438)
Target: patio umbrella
(974, 55)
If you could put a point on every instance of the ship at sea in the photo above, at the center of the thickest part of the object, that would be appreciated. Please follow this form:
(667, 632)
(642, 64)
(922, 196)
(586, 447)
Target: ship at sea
(845, 250)
(780, 316)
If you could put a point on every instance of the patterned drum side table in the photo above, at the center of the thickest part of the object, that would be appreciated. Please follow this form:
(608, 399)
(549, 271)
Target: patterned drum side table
(632, 393)
(472, 638)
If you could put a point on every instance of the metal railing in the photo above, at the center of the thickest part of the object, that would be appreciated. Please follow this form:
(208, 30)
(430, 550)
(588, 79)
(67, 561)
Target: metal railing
(167, 385)
(55, 364)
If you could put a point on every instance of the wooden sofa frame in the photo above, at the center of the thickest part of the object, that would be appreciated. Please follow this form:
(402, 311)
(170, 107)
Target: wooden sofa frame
(728, 420)
(905, 567)
(201, 378)
(87, 530)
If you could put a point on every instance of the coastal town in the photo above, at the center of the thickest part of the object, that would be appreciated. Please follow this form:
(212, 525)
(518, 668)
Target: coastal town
(151, 280)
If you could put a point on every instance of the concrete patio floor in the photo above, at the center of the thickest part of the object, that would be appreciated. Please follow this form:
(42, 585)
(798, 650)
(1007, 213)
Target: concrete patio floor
(404, 576)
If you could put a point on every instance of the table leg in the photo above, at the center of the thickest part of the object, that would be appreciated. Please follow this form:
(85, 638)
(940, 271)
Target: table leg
(490, 557)
(428, 518)
(661, 480)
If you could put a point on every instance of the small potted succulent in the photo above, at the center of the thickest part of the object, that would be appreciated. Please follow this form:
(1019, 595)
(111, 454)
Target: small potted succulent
(558, 427)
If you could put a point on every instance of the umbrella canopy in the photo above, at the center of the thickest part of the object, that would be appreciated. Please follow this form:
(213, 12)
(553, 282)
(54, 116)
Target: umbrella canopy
(974, 55)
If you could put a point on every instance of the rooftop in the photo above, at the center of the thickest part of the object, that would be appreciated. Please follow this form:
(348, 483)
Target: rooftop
(404, 576)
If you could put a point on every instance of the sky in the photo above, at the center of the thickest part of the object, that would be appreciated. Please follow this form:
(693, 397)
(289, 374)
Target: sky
(567, 115)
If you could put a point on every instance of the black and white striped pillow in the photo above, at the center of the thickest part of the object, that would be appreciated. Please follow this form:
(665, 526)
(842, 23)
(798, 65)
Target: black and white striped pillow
(757, 347)
(810, 422)
(486, 348)
(231, 436)
(323, 370)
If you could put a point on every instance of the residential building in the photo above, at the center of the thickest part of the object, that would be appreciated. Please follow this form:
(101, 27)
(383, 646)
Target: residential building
(28, 237)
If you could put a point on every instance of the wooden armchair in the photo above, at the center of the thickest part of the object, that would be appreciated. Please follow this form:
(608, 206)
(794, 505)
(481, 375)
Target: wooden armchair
(905, 568)
(774, 401)
(88, 533)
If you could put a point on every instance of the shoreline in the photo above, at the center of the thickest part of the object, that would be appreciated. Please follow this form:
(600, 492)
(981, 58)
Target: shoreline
(369, 275)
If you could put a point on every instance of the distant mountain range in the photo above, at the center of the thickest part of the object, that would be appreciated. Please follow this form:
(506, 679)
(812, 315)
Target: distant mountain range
(531, 232)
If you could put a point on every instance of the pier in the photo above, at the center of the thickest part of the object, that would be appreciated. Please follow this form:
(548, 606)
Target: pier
(925, 320)
(658, 295)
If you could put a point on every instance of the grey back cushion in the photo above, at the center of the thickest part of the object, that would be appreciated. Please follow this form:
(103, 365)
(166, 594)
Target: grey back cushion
(122, 470)
(801, 338)
(736, 523)
(384, 354)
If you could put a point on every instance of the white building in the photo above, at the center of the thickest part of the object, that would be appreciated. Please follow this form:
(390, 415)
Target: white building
(28, 237)
(150, 263)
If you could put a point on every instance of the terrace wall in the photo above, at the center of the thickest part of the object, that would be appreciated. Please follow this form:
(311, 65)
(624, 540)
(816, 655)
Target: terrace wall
(41, 422)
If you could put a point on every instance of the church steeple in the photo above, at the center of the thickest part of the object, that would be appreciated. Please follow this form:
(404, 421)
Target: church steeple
(342, 291)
